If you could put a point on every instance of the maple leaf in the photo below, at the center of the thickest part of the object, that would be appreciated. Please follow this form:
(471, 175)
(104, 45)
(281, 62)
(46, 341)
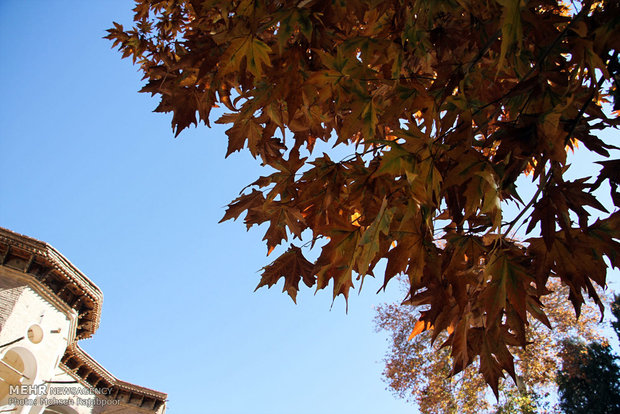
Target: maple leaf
(243, 203)
(443, 108)
(511, 28)
(257, 55)
(555, 204)
(609, 172)
(293, 267)
(247, 130)
(507, 286)
(494, 358)
(418, 328)
(281, 217)
(408, 256)
(369, 243)
(460, 350)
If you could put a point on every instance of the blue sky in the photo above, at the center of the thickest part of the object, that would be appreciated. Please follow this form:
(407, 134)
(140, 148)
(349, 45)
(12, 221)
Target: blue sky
(87, 167)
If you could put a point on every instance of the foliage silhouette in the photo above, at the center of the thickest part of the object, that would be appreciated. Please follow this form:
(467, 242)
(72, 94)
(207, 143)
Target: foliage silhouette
(444, 105)
(589, 381)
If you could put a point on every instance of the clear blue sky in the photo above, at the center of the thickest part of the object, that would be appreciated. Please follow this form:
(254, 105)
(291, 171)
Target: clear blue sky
(87, 167)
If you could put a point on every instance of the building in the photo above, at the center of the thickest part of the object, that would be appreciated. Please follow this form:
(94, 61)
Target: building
(46, 306)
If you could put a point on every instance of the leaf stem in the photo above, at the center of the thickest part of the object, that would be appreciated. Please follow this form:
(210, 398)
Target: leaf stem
(549, 173)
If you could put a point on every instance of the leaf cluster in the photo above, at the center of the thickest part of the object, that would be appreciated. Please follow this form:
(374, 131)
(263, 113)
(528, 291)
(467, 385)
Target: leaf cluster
(443, 104)
(419, 371)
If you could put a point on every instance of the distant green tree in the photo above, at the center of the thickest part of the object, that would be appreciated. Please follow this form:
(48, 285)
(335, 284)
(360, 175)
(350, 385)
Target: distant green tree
(589, 381)
(615, 310)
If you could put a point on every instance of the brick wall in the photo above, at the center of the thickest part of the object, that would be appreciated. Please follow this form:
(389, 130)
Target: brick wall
(10, 291)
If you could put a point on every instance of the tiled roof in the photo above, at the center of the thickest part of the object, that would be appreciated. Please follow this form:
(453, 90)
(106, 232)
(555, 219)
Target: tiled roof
(58, 275)
(53, 270)
(90, 373)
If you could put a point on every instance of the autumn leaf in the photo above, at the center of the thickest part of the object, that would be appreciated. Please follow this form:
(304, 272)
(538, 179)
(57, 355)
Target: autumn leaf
(257, 55)
(507, 286)
(243, 203)
(369, 243)
(418, 328)
(429, 114)
(293, 267)
(512, 32)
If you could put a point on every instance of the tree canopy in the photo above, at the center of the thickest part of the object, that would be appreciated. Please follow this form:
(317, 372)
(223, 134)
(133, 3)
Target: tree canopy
(443, 104)
(418, 371)
(589, 381)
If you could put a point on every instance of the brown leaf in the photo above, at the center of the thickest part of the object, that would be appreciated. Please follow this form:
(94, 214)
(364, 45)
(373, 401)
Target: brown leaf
(436, 121)
(293, 267)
